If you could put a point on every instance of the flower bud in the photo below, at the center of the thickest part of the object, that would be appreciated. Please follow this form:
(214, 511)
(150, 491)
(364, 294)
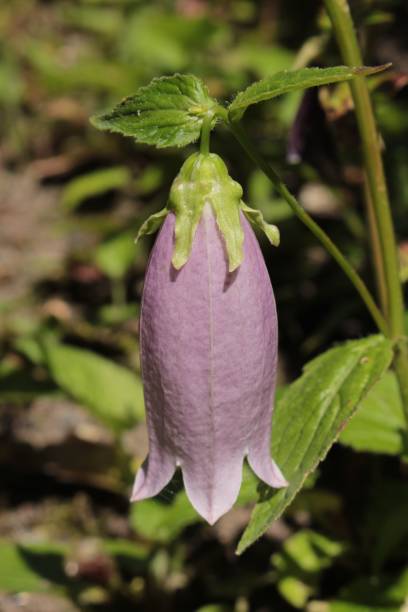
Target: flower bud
(208, 344)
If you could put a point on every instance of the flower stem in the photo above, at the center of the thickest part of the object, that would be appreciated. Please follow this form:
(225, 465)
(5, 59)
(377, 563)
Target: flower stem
(205, 134)
(376, 252)
(387, 265)
(318, 232)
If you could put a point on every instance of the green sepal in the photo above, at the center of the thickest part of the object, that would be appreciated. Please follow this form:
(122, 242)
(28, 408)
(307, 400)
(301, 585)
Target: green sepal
(152, 223)
(256, 219)
(229, 224)
(187, 203)
(204, 179)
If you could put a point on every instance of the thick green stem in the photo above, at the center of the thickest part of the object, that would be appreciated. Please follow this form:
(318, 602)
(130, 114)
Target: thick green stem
(340, 16)
(320, 234)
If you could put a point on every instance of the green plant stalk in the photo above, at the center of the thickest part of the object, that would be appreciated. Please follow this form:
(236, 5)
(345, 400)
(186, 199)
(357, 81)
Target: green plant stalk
(376, 252)
(205, 134)
(340, 16)
(318, 232)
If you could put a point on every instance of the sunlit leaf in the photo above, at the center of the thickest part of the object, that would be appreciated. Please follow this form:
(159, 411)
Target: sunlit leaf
(94, 184)
(292, 80)
(310, 416)
(111, 392)
(167, 112)
(300, 562)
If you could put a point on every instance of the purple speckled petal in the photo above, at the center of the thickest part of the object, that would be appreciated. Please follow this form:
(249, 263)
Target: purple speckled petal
(208, 351)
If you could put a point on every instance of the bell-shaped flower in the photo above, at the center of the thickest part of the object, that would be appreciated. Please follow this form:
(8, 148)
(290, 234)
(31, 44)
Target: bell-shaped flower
(209, 338)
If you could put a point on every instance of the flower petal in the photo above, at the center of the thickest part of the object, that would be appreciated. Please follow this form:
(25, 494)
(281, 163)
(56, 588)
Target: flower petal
(212, 487)
(153, 475)
(208, 352)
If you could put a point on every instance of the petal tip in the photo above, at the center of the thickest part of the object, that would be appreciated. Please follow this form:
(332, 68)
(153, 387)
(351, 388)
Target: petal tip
(151, 478)
(267, 470)
(211, 514)
(213, 496)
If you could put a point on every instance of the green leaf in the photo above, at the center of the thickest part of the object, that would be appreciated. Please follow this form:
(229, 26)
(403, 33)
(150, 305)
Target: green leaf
(379, 425)
(255, 217)
(292, 80)
(111, 392)
(93, 184)
(116, 255)
(167, 113)
(163, 522)
(310, 416)
(30, 568)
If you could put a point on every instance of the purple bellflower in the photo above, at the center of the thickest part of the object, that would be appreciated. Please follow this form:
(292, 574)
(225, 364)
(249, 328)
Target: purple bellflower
(208, 342)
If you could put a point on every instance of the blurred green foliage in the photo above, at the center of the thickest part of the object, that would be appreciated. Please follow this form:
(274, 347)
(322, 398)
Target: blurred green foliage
(71, 407)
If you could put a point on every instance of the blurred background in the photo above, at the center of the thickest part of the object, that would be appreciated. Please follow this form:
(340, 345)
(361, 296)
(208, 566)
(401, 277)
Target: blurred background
(72, 430)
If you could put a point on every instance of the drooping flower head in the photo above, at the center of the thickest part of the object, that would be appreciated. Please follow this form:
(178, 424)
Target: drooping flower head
(208, 342)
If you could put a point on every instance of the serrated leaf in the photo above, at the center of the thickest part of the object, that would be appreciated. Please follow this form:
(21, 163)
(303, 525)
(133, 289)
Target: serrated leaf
(379, 425)
(292, 80)
(310, 416)
(111, 392)
(166, 113)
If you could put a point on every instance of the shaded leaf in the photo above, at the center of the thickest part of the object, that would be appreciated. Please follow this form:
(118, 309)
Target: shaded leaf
(130, 556)
(310, 416)
(379, 425)
(291, 80)
(21, 385)
(376, 594)
(167, 112)
(388, 507)
(31, 568)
